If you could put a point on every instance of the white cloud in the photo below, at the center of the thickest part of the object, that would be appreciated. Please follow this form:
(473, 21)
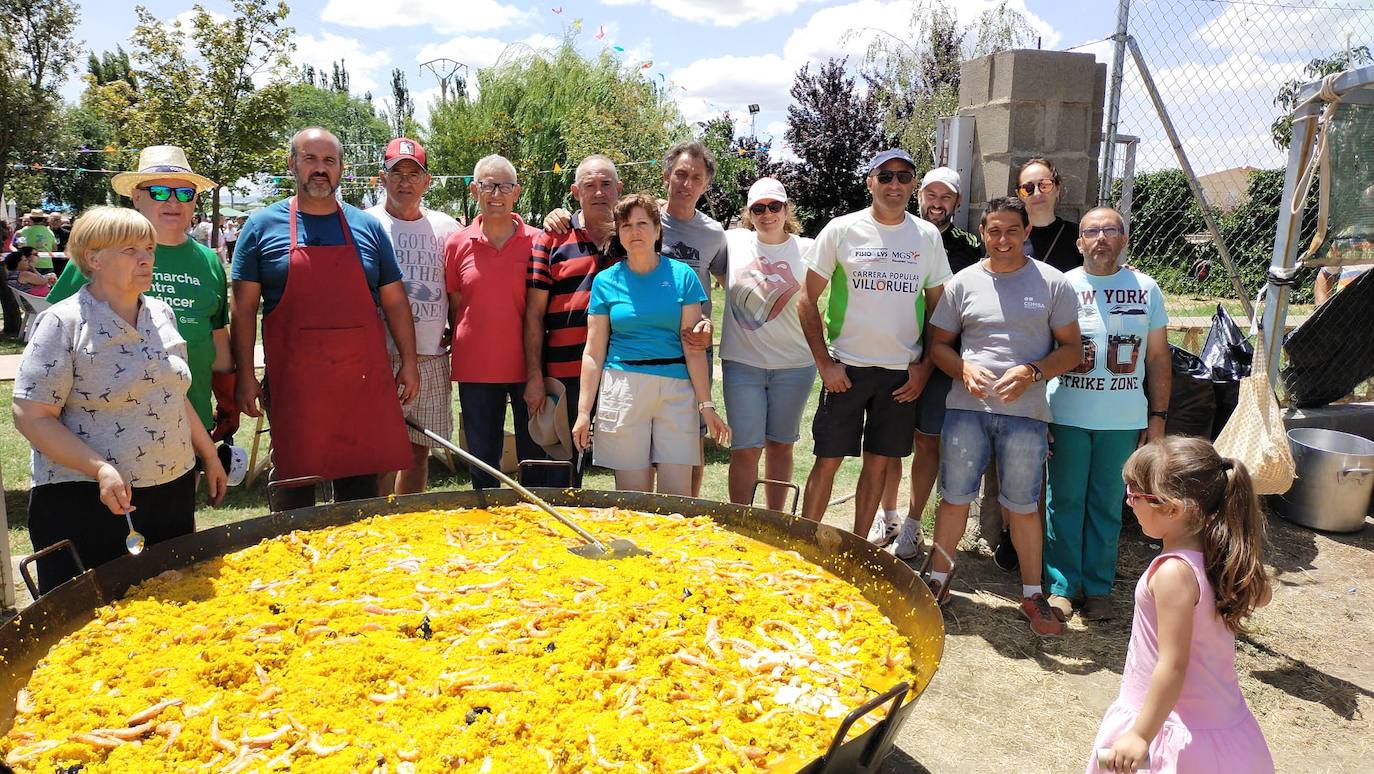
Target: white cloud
(442, 16)
(1281, 30)
(721, 13)
(367, 70)
(477, 51)
(738, 80)
(424, 100)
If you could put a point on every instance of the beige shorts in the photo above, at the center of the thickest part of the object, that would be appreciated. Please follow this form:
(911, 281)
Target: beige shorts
(644, 420)
(433, 405)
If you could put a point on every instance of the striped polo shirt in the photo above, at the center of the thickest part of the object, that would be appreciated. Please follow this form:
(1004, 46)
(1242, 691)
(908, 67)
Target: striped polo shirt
(564, 266)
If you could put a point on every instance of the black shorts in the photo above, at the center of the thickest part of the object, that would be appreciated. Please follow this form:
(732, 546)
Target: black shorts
(865, 413)
(930, 406)
(72, 510)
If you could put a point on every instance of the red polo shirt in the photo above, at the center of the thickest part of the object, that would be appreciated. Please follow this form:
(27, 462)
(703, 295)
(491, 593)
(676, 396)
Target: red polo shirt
(488, 344)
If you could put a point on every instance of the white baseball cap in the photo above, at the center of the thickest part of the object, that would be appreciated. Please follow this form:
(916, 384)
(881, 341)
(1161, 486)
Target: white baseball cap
(943, 175)
(769, 188)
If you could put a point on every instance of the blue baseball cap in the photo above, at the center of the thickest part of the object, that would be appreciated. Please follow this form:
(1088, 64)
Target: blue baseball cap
(888, 155)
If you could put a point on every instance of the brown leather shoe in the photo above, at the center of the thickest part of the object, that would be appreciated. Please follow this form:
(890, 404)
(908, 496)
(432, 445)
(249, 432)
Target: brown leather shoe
(1062, 607)
(1096, 609)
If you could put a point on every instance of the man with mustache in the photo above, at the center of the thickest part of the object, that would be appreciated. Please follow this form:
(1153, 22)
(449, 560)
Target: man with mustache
(418, 235)
(938, 198)
(330, 391)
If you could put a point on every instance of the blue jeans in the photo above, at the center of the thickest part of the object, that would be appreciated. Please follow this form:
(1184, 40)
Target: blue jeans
(970, 438)
(764, 403)
(484, 425)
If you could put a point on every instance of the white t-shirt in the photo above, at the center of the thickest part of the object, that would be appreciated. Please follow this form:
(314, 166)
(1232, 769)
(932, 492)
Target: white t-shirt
(760, 326)
(878, 277)
(419, 246)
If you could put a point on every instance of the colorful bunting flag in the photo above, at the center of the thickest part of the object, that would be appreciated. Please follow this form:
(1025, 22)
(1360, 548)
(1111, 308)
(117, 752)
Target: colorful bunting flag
(600, 31)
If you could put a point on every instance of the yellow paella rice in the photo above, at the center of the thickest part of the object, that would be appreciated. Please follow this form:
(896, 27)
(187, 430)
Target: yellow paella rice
(468, 640)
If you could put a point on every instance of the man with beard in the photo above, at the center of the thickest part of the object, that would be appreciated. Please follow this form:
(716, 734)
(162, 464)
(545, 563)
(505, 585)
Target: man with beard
(329, 390)
(418, 235)
(938, 198)
(186, 274)
(885, 270)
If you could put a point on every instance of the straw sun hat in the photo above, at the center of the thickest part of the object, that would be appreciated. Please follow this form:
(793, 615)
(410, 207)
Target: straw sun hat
(159, 162)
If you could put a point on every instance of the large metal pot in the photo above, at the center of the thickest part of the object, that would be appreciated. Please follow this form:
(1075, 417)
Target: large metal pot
(881, 578)
(1335, 479)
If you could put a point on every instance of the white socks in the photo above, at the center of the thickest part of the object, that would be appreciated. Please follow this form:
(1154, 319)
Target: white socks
(891, 517)
(939, 577)
(1028, 591)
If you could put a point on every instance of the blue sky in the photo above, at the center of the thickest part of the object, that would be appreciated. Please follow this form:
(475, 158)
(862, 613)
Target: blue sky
(724, 54)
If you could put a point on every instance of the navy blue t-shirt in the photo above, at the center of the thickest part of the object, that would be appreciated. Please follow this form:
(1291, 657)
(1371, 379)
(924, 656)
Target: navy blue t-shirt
(263, 251)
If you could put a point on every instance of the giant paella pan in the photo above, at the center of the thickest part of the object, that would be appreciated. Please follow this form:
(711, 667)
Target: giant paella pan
(658, 673)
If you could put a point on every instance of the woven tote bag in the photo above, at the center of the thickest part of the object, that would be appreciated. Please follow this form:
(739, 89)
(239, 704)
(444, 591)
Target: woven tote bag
(1255, 434)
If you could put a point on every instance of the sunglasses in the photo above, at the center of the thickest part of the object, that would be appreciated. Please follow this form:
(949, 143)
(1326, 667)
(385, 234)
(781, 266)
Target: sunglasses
(775, 207)
(162, 193)
(1045, 185)
(886, 176)
(1132, 495)
(1111, 232)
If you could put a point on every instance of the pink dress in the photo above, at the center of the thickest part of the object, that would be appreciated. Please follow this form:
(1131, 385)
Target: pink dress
(1210, 728)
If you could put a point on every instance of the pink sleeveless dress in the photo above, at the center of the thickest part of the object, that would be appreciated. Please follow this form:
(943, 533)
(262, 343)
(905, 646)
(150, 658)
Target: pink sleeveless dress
(1210, 728)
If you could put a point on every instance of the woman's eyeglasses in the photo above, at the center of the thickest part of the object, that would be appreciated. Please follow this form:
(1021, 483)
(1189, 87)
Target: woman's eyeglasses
(1045, 185)
(758, 209)
(1132, 494)
(162, 193)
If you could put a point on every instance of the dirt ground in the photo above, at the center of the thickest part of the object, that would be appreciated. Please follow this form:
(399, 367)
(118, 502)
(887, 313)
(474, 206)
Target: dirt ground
(1003, 701)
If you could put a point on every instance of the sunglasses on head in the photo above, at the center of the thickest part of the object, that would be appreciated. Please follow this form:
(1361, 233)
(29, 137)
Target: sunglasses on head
(886, 176)
(1045, 185)
(1132, 494)
(162, 193)
(758, 209)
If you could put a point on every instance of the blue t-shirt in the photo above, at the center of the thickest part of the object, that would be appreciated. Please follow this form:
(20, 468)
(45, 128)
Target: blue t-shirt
(263, 251)
(646, 314)
(1115, 317)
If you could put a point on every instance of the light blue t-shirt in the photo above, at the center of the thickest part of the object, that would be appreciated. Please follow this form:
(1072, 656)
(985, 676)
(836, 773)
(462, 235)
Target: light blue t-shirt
(646, 314)
(1115, 317)
(263, 251)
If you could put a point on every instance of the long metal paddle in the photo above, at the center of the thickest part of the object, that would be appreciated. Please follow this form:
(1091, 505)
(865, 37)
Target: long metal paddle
(593, 549)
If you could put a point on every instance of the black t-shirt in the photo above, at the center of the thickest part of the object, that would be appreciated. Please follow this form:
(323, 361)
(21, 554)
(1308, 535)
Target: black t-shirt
(1055, 244)
(963, 248)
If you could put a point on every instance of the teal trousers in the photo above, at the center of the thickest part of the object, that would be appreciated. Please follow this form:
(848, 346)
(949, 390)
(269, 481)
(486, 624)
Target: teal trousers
(1083, 508)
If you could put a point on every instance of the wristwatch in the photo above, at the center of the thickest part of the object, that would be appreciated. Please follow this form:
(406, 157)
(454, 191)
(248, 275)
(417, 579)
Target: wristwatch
(1161, 414)
(1039, 375)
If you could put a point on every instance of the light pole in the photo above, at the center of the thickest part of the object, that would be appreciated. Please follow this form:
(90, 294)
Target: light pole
(753, 115)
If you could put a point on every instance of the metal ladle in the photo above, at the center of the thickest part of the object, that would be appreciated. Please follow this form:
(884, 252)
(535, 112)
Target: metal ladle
(134, 542)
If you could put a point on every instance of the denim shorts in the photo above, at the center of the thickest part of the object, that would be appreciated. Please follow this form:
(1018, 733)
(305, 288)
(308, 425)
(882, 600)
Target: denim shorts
(764, 403)
(970, 438)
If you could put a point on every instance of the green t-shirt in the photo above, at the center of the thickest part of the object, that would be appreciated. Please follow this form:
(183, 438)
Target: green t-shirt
(190, 279)
(42, 239)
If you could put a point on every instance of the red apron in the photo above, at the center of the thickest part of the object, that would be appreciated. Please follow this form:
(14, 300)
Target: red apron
(334, 409)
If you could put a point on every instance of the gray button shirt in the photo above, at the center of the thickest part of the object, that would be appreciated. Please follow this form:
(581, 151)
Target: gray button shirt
(1005, 320)
(121, 388)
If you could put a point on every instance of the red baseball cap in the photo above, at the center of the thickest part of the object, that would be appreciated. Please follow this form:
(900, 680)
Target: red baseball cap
(403, 148)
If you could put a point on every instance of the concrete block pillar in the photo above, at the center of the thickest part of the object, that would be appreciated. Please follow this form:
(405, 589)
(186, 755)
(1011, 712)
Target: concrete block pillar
(1028, 103)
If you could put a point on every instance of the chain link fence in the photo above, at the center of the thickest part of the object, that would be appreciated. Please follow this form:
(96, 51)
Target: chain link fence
(1226, 72)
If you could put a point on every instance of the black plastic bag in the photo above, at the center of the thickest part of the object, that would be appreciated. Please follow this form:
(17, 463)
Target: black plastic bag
(1228, 355)
(1331, 353)
(1192, 398)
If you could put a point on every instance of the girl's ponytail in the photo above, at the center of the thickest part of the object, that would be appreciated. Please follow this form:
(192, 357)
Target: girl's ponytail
(1233, 542)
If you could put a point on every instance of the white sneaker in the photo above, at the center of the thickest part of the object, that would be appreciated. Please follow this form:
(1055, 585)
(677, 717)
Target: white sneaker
(883, 531)
(909, 543)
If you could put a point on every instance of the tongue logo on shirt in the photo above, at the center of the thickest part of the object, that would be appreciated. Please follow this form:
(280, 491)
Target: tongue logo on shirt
(761, 291)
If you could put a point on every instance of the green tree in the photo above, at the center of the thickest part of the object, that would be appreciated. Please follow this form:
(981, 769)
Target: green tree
(354, 120)
(737, 167)
(547, 109)
(82, 130)
(210, 101)
(914, 74)
(36, 54)
(400, 113)
(111, 66)
(834, 130)
(1316, 69)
